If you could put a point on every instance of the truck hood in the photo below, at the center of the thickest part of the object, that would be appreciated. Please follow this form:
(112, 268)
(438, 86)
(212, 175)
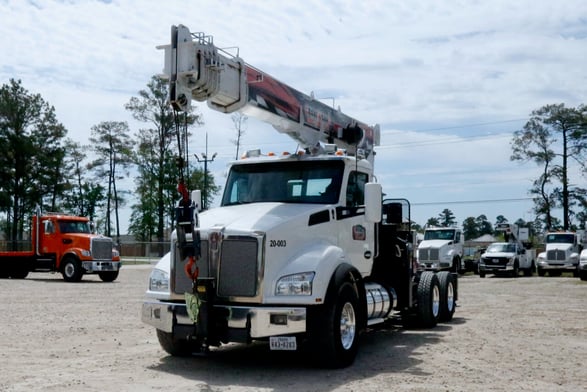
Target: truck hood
(257, 216)
(564, 247)
(433, 244)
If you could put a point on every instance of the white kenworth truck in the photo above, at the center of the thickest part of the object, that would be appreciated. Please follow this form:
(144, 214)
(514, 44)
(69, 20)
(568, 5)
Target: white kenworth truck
(562, 253)
(302, 252)
(442, 249)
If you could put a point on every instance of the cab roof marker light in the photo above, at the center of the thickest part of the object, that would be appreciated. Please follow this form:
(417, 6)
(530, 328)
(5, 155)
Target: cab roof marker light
(253, 153)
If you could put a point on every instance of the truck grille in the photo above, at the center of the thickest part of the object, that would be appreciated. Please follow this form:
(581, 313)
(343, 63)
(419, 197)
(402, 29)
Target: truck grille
(101, 248)
(235, 268)
(496, 261)
(428, 254)
(556, 255)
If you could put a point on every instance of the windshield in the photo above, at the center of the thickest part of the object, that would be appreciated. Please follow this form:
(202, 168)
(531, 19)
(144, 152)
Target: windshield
(561, 238)
(448, 234)
(507, 248)
(288, 182)
(74, 227)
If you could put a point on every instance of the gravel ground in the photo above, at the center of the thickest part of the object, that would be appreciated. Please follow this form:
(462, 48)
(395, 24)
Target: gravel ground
(508, 334)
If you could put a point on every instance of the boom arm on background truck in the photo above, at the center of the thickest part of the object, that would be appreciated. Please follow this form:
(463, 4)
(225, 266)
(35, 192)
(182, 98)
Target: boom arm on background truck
(302, 252)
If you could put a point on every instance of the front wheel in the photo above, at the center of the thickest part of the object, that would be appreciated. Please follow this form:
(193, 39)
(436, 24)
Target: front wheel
(530, 270)
(447, 296)
(72, 269)
(516, 270)
(174, 346)
(541, 272)
(108, 276)
(428, 299)
(583, 275)
(336, 327)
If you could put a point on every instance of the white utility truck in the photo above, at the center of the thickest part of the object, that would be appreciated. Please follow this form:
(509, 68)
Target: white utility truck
(302, 252)
(561, 253)
(442, 249)
(511, 256)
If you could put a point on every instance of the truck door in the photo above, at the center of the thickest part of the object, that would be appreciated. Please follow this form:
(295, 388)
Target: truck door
(47, 238)
(356, 235)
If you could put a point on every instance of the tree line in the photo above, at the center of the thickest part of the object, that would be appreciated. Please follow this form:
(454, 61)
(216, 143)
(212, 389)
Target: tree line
(41, 166)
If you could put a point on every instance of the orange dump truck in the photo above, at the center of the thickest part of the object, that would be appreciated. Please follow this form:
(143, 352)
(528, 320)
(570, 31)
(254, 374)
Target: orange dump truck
(60, 243)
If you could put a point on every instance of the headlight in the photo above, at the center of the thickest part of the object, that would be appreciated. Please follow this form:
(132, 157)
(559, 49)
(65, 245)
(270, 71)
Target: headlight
(115, 253)
(86, 253)
(296, 284)
(159, 281)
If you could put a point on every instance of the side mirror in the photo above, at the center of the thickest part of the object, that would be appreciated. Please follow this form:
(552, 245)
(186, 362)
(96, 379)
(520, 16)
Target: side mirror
(197, 199)
(373, 202)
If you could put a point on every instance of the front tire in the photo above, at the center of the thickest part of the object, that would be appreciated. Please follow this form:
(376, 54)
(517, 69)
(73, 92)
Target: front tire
(516, 270)
(108, 276)
(72, 269)
(175, 347)
(541, 272)
(447, 296)
(428, 299)
(336, 330)
(530, 270)
(583, 275)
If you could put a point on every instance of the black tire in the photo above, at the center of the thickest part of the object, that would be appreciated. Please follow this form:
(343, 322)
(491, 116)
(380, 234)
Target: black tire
(19, 274)
(108, 276)
(530, 270)
(176, 347)
(428, 299)
(335, 328)
(541, 272)
(516, 271)
(71, 269)
(583, 275)
(481, 274)
(447, 296)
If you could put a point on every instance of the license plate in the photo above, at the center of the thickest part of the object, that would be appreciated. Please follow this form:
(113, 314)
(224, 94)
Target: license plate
(282, 343)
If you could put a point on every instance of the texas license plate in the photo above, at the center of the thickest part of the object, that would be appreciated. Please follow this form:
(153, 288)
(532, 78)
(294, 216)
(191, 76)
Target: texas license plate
(282, 343)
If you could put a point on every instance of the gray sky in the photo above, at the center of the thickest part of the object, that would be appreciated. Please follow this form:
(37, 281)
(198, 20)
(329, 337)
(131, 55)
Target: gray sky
(448, 81)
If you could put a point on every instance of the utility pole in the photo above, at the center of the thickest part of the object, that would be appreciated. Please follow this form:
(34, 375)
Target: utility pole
(205, 160)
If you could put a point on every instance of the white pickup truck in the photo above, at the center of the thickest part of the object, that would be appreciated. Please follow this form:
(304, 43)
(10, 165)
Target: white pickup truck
(506, 257)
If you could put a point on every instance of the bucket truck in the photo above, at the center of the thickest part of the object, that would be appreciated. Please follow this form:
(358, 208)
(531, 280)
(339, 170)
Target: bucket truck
(302, 252)
(510, 256)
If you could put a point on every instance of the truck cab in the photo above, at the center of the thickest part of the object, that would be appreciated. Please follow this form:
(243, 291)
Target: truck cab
(441, 249)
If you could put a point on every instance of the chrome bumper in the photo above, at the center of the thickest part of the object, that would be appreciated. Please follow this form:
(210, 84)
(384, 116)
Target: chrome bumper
(260, 322)
(559, 267)
(98, 266)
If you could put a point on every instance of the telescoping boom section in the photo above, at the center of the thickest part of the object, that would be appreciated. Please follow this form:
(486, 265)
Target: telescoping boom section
(198, 70)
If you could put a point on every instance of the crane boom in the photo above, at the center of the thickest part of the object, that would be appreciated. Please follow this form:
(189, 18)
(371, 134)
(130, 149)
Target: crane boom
(199, 70)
